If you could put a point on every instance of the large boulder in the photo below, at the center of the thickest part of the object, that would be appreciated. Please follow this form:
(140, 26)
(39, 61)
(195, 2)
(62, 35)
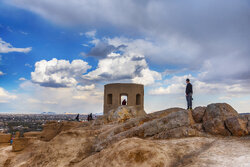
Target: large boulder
(198, 114)
(216, 127)
(5, 138)
(237, 126)
(219, 110)
(246, 117)
(215, 116)
(123, 113)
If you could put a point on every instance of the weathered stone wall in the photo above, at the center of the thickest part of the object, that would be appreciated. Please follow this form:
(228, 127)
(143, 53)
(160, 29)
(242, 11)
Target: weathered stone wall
(129, 89)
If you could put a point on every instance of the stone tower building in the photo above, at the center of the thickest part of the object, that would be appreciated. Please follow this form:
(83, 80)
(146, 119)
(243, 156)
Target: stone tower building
(114, 92)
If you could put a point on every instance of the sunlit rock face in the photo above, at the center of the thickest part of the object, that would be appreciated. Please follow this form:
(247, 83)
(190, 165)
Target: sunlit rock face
(123, 113)
(215, 116)
(129, 137)
(237, 126)
(5, 138)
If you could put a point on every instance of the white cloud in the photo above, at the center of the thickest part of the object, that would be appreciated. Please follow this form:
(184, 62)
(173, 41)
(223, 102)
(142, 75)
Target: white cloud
(121, 60)
(5, 96)
(7, 47)
(147, 77)
(117, 67)
(91, 34)
(1, 73)
(85, 45)
(22, 79)
(59, 73)
(177, 33)
(86, 87)
(171, 50)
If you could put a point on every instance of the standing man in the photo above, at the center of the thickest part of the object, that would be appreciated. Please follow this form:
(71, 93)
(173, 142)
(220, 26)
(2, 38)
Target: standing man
(189, 93)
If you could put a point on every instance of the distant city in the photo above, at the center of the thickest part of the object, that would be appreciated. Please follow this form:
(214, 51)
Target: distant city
(11, 123)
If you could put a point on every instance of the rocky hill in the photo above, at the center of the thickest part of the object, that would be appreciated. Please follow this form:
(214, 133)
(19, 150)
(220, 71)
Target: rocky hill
(215, 135)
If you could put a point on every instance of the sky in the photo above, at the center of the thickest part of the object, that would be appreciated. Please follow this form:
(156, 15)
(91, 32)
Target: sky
(56, 56)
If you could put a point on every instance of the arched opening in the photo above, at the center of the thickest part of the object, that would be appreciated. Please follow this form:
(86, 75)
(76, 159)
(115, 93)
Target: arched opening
(138, 99)
(124, 99)
(109, 99)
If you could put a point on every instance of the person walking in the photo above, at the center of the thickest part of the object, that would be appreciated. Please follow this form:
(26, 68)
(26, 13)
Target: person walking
(189, 93)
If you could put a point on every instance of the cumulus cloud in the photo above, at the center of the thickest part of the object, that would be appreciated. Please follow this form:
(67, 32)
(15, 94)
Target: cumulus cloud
(122, 67)
(208, 36)
(120, 60)
(5, 96)
(7, 47)
(102, 49)
(59, 73)
(1, 73)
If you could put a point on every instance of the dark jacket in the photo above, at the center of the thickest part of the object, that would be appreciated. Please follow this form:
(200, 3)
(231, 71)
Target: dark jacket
(124, 102)
(189, 88)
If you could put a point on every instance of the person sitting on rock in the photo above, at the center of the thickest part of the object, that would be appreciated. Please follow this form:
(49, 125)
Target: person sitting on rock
(124, 102)
(90, 117)
(77, 117)
(189, 93)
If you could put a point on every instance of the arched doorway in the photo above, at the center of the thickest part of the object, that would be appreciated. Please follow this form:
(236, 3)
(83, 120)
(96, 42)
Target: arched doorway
(123, 99)
(138, 99)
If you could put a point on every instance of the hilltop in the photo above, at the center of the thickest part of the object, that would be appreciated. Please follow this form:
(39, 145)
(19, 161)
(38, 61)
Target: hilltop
(215, 135)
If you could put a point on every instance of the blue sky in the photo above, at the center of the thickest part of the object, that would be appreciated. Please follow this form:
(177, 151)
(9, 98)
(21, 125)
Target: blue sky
(55, 56)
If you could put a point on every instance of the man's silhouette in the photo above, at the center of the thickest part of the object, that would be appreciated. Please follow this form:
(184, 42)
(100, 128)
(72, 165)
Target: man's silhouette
(189, 93)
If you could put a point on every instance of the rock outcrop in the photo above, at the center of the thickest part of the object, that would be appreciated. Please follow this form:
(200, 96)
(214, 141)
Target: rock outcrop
(237, 126)
(198, 114)
(123, 113)
(53, 128)
(139, 140)
(216, 126)
(174, 124)
(214, 117)
(221, 111)
(246, 118)
(5, 138)
(19, 144)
